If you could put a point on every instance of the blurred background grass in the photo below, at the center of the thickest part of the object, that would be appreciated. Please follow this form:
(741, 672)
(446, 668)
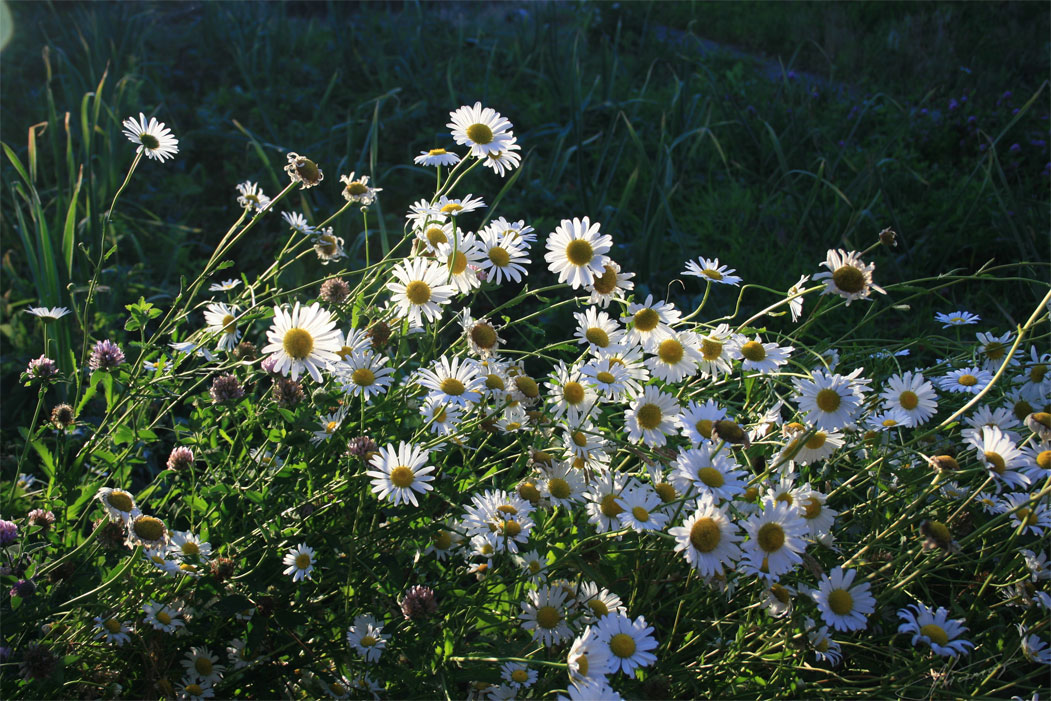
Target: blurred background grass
(760, 133)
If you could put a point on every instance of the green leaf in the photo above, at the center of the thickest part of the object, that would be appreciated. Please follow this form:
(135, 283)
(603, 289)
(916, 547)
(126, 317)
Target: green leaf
(47, 460)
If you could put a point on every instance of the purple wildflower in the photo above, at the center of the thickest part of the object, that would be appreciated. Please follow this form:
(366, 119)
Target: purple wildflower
(106, 356)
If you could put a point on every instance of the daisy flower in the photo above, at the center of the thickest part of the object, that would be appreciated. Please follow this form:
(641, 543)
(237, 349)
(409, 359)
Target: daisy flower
(419, 289)
(588, 659)
(818, 517)
(300, 562)
(641, 510)
(707, 538)
(329, 425)
(1034, 649)
(461, 264)
(610, 285)
(305, 339)
(517, 675)
(298, 223)
(699, 419)
(252, 197)
(762, 357)
(601, 501)
(154, 138)
(483, 129)
(958, 318)
(629, 642)
(534, 565)
(562, 485)
(719, 348)
(825, 649)
(222, 320)
(795, 298)
(842, 606)
(597, 330)
(192, 690)
(366, 637)
(708, 472)
(676, 357)
(710, 271)
(1036, 380)
(328, 246)
(912, 394)
(775, 538)
(544, 614)
(452, 381)
(1031, 516)
(441, 417)
(503, 255)
(454, 207)
(191, 348)
(652, 417)
(48, 314)
(400, 472)
(302, 170)
(828, 401)
(238, 654)
(434, 234)
(436, 157)
(569, 395)
(1003, 418)
(778, 601)
(583, 440)
(969, 380)
(994, 349)
(364, 374)
(606, 376)
(1038, 456)
(147, 531)
(887, 420)
(651, 322)
(339, 688)
(502, 162)
(482, 337)
(111, 630)
(1001, 456)
(358, 190)
(224, 286)
(934, 628)
(186, 544)
(847, 276)
(119, 505)
(161, 617)
(597, 602)
(576, 252)
(200, 665)
(443, 542)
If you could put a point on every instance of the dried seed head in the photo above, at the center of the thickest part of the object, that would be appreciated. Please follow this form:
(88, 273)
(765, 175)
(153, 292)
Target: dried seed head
(419, 602)
(246, 350)
(334, 291)
(288, 392)
(62, 416)
(226, 388)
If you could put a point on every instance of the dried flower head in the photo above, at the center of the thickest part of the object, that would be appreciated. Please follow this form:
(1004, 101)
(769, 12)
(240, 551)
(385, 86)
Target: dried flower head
(38, 662)
(288, 392)
(361, 446)
(945, 463)
(888, 237)
(301, 169)
(335, 290)
(110, 534)
(62, 416)
(379, 334)
(246, 350)
(105, 356)
(42, 518)
(181, 458)
(222, 568)
(938, 535)
(226, 388)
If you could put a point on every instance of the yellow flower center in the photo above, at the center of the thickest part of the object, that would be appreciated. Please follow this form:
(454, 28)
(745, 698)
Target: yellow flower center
(605, 378)
(302, 561)
(1022, 409)
(529, 492)
(510, 529)
(527, 386)
(670, 351)
(573, 392)
(499, 256)
(190, 548)
(443, 540)
(754, 351)
(337, 689)
(298, 343)
(559, 488)
(994, 350)
(457, 263)
(494, 381)
(908, 400)
(711, 477)
(163, 618)
(582, 665)
(828, 400)
(548, 617)
(640, 514)
(149, 141)
(705, 535)
(649, 416)
(121, 501)
(967, 380)
(849, 279)
(704, 427)
(811, 508)
(822, 645)
(622, 645)
(452, 387)
(1037, 373)
(363, 377)
(480, 134)
(817, 440)
(331, 427)
(534, 567)
(436, 235)
(712, 273)
(112, 625)
(194, 689)
(996, 462)
(148, 528)
(519, 676)
(666, 492)
(579, 252)
(609, 506)
(785, 498)
(483, 335)
(607, 282)
(357, 188)
(711, 350)
(451, 208)
(771, 537)
(579, 439)
(203, 666)
(936, 634)
(228, 324)
(418, 292)
(1043, 459)
(780, 593)
(646, 319)
(597, 336)
(402, 477)
(437, 152)
(840, 601)
(368, 641)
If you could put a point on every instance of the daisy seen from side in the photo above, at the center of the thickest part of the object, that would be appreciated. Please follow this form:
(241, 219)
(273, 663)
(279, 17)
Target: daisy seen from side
(847, 276)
